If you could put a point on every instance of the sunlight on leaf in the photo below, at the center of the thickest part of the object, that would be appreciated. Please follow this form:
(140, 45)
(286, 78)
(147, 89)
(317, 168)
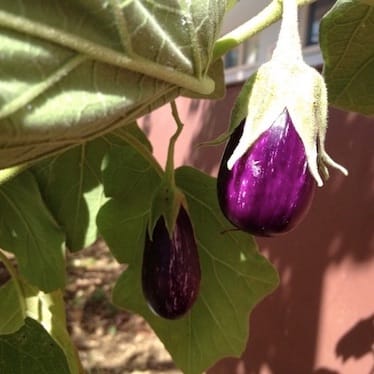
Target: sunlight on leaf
(122, 221)
(82, 67)
(21, 300)
(71, 184)
(49, 310)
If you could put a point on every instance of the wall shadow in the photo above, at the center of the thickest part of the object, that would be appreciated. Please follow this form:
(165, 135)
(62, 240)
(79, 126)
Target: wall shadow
(357, 341)
(214, 119)
(284, 327)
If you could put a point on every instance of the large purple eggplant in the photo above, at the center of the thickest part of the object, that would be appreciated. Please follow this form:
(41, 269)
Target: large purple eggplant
(171, 268)
(269, 189)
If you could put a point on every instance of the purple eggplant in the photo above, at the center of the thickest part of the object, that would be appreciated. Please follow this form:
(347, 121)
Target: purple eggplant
(171, 268)
(269, 189)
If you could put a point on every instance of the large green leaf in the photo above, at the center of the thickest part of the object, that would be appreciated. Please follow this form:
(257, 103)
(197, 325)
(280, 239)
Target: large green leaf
(347, 43)
(70, 70)
(49, 310)
(234, 278)
(71, 183)
(71, 187)
(31, 351)
(132, 181)
(11, 311)
(28, 230)
(20, 300)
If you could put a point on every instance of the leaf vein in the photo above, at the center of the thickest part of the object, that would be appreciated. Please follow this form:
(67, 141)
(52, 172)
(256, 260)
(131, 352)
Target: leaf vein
(216, 321)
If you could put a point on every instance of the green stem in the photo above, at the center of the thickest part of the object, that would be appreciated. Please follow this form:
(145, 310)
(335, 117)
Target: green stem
(269, 15)
(169, 168)
(13, 273)
(55, 303)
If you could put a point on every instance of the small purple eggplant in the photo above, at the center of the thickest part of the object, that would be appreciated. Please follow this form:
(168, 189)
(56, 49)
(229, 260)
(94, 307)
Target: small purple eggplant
(269, 189)
(171, 268)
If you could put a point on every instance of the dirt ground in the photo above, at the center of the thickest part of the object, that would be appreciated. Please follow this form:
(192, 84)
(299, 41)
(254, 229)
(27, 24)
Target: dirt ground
(109, 340)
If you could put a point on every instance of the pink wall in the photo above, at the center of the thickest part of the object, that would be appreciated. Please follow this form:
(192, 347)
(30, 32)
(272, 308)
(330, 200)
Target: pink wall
(321, 318)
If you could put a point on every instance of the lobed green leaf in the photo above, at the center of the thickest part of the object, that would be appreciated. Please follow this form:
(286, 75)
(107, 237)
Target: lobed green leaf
(132, 182)
(347, 40)
(11, 312)
(48, 309)
(234, 278)
(31, 350)
(20, 301)
(71, 185)
(28, 230)
(74, 70)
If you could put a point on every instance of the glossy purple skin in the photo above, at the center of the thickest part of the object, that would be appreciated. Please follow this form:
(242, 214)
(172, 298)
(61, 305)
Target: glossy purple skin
(269, 189)
(171, 268)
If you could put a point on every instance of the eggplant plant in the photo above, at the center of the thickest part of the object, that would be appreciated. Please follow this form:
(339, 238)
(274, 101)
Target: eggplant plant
(171, 267)
(74, 79)
(265, 182)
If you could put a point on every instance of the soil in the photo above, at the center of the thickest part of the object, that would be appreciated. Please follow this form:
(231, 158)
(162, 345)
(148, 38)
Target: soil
(109, 340)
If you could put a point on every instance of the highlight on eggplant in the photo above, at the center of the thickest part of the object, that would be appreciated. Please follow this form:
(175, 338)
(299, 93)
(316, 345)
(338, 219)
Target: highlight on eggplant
(171, 268)
(269, 189)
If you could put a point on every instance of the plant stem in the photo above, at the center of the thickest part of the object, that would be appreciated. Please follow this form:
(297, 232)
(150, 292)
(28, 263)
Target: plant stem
(57, 328)
(169, 168)
(269, 15)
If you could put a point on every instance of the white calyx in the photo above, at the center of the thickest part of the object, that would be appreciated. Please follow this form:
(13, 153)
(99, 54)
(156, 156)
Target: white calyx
(286, 81)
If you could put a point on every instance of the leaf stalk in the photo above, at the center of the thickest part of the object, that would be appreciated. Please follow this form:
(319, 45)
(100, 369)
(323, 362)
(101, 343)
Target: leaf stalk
(169, 168)
(269, 15)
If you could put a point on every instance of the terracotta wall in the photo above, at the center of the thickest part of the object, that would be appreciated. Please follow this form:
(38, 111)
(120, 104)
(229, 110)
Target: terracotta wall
(321, 318)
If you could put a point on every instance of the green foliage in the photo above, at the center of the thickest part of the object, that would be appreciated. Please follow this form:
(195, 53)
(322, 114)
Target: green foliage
(231, 268)
(131, 181)
(82, 67)
(28, 230)
(22, 301)
(74, 78)
(347, 40)
(71, 185)
(48, 309)
(19, 353)
(11, 311)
